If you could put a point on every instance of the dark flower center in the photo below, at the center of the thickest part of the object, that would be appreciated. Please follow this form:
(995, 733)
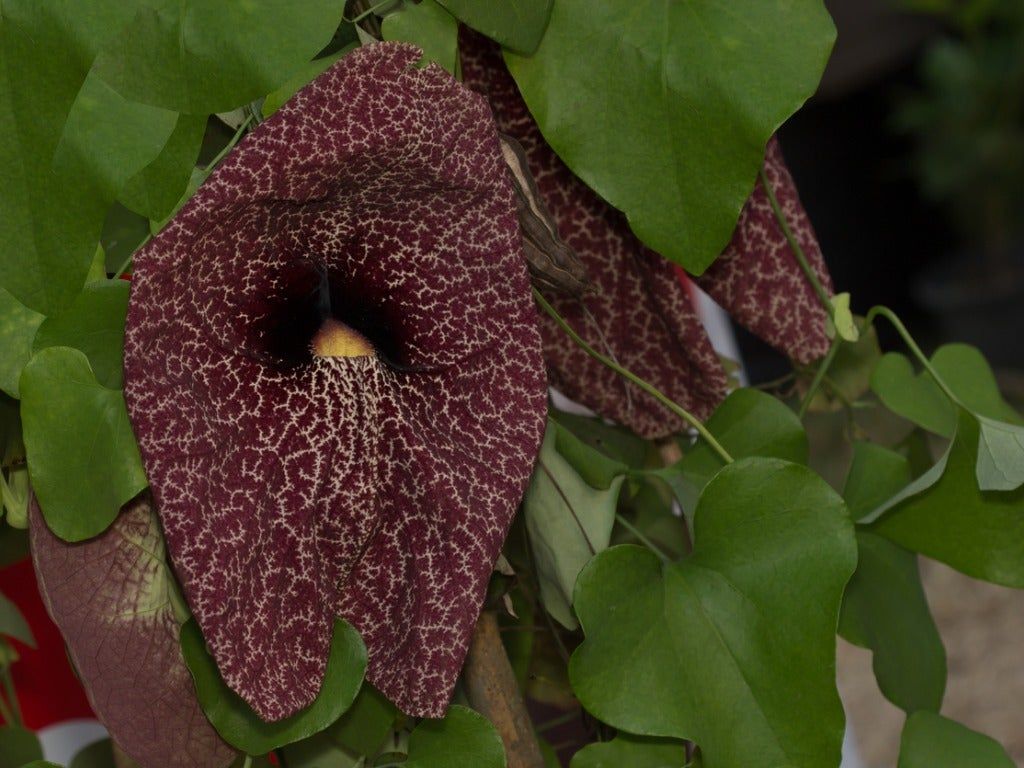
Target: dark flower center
(322, 315)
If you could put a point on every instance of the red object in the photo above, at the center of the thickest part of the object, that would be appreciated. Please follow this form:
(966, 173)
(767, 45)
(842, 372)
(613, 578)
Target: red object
(48, 690)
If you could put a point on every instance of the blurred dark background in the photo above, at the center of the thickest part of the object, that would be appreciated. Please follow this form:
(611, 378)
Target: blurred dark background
(910, 162)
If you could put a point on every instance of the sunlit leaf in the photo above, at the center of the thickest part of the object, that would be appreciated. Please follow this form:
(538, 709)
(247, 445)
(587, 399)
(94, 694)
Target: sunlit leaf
(734, 646)
(51, 220)
(429, 26)
(568, 522)
(93, 324)
(202, 57)
(686, 93)
(83, 459)
(18, 325)
(1000, 465)
(155, 190)
(235, 720)
(516, 24)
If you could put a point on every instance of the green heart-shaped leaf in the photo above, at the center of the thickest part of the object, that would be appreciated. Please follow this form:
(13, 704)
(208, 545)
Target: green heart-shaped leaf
(933, 741)
(93, 324)
(18, 325)
(733, 647)
(632, 751)
(429, 26)
(918, 398)
(516, 24)
(568, 522)
(913, 396)
(747, 423)
(685, 93)
(155, 190)
(202, 57)
(1000, 465)
(18, 747)
(463, 737)
(885, 609)
(83, 460)
(242, 728)
(980, 533)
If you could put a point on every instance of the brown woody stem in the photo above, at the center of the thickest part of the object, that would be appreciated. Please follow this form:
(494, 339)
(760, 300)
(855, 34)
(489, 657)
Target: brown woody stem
(493, 692)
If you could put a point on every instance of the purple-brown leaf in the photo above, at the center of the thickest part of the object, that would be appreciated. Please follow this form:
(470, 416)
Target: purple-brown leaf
(111, 597)
(291, 486)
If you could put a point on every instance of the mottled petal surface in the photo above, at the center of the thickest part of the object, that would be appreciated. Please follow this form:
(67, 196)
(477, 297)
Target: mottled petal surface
(758, 280)
(111, 597)
(641, 314)
(380, 487)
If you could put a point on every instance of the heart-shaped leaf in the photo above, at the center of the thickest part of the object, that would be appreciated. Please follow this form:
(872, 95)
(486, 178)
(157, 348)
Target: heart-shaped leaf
(980, 533)
(1000, 465)
(18, 747)
(365, 725)
(516, 24)
(913, 396)
(747, 423)
(59, 179)
(687, 93)
(83, 460)
(463, 737)
(99, 754)
(734, 646)
(93, 324)
(203, 57)
(631, 751)
(235, 721)
(933, 741)
(18, 325)
(918, 398)
(429, 26)
(155, 190)
(885, 609)
(884, 606)
(568, 522)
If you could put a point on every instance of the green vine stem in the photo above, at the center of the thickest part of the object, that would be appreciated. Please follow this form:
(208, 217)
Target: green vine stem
(819, 376)
(657, 394)
(901, 329)
(798, 251)
(641, 538)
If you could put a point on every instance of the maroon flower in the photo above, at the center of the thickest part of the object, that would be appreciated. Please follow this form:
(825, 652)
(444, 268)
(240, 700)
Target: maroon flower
(641, 313)
(112, 598)
(376, 477)
(758, 279)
